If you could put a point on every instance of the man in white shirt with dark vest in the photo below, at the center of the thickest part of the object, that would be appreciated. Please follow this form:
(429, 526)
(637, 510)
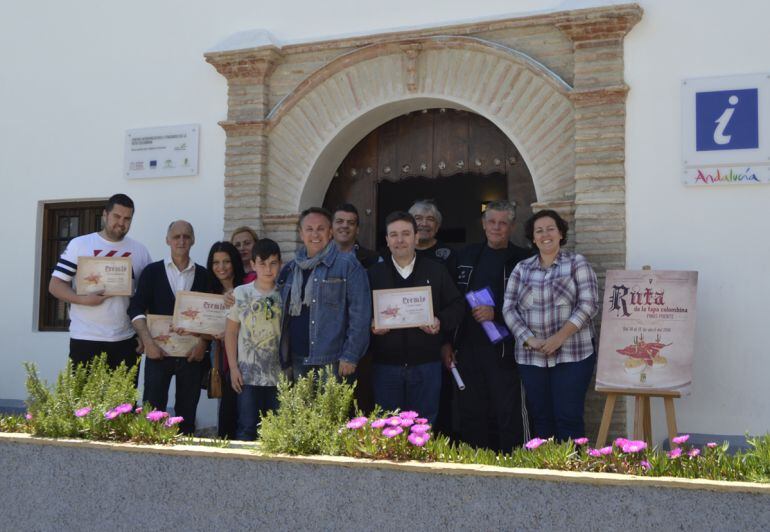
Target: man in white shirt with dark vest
(99, 323)
(156, 294)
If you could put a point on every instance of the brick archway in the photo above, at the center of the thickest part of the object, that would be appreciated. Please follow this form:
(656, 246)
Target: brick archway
(529, 103)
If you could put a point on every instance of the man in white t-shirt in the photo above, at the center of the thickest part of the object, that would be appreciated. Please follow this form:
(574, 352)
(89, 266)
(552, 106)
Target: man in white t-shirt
(99, 323)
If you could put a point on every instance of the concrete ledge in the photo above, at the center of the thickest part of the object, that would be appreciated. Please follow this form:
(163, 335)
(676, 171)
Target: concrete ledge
(68, 484)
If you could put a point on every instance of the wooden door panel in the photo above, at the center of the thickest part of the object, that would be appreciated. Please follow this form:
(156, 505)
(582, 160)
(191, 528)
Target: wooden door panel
(450, 142)
(487, 147)
(415, 145)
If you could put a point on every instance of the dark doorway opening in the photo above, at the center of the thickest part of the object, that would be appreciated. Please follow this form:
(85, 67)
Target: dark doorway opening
(456, 157)
(459, 198)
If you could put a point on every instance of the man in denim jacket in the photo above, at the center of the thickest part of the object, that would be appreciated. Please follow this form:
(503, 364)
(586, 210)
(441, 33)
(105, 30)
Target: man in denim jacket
(327, 304)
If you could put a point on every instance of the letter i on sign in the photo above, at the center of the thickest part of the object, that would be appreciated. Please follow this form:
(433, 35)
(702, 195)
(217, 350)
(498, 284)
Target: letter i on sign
(719, 133)
(727, 120)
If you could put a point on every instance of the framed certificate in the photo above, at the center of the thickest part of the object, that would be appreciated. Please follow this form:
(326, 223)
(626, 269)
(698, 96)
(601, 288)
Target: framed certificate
(110, 275)
(401, 308)
(162, 331)
(200, 312)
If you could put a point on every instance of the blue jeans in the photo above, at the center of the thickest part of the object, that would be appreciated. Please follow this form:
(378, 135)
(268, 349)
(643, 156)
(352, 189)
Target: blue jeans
(157, 378)
(409, 388)
(556, 397)
(252, 403)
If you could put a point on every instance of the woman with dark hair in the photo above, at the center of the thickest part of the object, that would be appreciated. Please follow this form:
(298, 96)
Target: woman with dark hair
(550, 301)
(225, 272)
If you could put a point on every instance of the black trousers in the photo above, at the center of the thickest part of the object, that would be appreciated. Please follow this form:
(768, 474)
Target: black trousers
(227, 413)
(157, 378)
(491, 413)
(84, 351)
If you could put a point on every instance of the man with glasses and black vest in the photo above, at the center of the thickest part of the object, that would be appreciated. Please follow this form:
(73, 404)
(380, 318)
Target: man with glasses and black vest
(492, 412)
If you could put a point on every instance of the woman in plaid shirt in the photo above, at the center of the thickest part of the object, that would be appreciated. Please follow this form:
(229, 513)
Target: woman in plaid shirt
(549, 303)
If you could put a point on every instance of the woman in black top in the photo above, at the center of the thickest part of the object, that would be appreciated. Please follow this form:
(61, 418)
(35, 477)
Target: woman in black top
(225, 272)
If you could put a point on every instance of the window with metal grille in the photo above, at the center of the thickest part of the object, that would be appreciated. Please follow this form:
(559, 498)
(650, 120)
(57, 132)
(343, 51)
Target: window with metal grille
(61, 223)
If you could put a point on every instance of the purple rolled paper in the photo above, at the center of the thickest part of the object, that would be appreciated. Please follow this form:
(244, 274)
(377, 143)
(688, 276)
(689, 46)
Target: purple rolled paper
(495, 332)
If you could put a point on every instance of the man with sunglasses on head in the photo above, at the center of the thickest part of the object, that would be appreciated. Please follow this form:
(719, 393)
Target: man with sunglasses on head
(345, 228)
(99, 323)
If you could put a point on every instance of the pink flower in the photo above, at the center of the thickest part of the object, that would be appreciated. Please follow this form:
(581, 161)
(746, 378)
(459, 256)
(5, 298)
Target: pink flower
(157, 415)
(357, 422)
(419, 439)
(170, 422)
(676, 453)
(711, 444)
(421, 420)
(112, 414)
(138, 410)
(534, 443)
(28, 417)
(634, 446)
(694, 452)
(604, 451)
(680, 439)
(125, 408)
(594, 452)
(394, 421)
(409, 414)
(392, 432)
(419, 429)
(581, 441)
(378, 423)
(407, 422)
(620, 442)
(645, 465)
(82, 412)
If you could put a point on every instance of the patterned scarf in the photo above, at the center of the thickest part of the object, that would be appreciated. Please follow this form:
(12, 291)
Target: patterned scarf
(303, 263)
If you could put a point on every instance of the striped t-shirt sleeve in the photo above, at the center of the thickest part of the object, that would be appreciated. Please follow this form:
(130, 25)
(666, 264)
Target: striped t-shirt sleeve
(67, 266)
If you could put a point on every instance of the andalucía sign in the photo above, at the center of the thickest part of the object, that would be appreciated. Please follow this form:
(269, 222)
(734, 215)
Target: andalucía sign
(726, 130)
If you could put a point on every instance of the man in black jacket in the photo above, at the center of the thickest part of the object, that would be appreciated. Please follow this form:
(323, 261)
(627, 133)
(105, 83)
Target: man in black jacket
(345, 228)
(156, 294)
(407, 362)
(492, 413)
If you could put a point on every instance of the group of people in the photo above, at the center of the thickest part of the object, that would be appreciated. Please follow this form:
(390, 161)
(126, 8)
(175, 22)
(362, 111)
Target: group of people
(315, 311)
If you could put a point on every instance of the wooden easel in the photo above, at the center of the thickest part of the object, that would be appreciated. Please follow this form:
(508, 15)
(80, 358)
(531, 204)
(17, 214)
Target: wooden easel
(642, 417)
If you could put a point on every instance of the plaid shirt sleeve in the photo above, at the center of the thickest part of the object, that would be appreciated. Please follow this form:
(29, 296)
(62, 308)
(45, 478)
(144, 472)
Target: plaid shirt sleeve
(587, 303)
(511, 314)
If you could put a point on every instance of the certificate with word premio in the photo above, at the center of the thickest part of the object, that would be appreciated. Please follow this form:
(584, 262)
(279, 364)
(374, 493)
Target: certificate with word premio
(110, 276)
(162, 331)
(200, 312)
(401, 308)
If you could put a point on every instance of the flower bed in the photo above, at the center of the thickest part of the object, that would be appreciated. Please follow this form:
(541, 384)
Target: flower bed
(312, 419)
(386, 466)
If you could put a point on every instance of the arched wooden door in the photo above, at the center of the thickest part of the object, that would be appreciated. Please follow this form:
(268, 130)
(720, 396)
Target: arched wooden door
(457, 157)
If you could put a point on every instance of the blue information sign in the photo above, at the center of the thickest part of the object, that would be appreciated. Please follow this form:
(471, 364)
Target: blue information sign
(727, 120)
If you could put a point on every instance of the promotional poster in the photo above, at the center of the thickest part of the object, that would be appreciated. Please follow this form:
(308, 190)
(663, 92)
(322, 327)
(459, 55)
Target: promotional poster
(648, 330)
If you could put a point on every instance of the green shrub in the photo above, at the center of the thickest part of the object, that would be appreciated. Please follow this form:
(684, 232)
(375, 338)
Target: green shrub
(309, 415)
(94, 402)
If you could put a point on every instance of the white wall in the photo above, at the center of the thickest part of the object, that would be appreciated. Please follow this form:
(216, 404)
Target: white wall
(75, 76)
(721, 231)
